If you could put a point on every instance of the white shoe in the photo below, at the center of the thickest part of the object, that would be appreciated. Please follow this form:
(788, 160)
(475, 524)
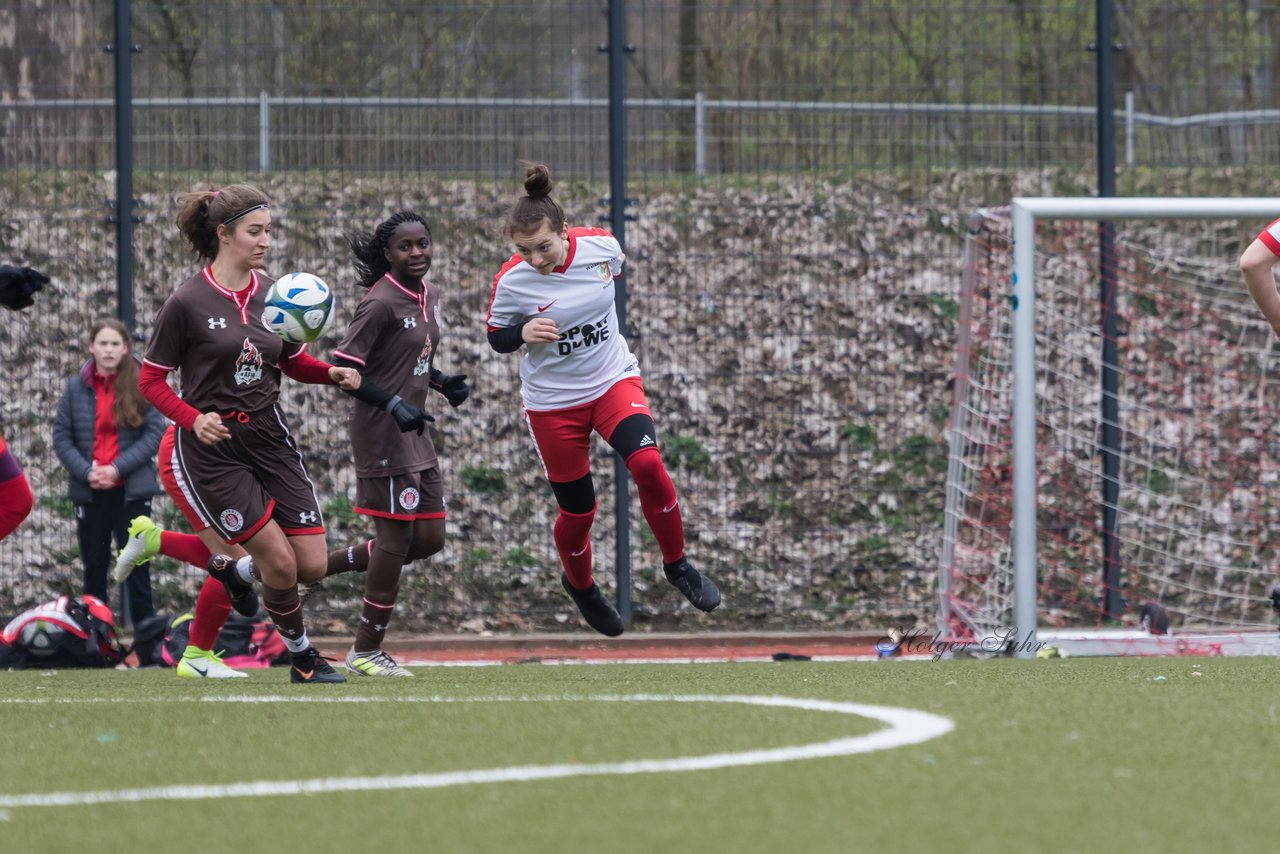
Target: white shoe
(376, 663)
(199, 663)
(143, 544)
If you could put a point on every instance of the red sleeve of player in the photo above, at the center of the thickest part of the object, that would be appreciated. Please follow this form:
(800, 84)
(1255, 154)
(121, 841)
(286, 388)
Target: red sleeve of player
(305, 368)
(1271, 237)
(152, 382)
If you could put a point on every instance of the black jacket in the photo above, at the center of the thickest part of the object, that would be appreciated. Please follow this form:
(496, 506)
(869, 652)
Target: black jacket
(73, 442)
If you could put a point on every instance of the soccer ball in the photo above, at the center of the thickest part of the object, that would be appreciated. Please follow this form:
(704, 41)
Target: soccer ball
(299, 308)
(41, 638)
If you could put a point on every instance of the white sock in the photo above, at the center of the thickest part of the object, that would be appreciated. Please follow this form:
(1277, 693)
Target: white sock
(299, 645)
(244, 569)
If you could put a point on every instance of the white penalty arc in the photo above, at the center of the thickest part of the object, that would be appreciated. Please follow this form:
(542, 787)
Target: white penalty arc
(903, 727)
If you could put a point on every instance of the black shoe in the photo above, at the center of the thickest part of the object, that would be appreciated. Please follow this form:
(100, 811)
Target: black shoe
(310, 666)
(1275, 599)
(596, 610)
(695, 586)
(243, 597)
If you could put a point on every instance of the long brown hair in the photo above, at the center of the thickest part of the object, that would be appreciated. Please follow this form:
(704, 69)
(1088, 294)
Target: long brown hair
(131, 406)
(201, 212)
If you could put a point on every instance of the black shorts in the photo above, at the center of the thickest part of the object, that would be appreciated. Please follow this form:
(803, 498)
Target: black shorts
(241, 483)
(409, 496)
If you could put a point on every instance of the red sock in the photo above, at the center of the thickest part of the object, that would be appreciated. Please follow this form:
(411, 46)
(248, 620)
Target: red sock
(658, 500)
(16, 502)
(572, 533)
(212, 610)
(187, 548)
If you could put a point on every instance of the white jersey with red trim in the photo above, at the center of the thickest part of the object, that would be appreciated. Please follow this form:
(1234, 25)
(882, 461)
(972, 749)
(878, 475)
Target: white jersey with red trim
(591, 354)
(1271, 237)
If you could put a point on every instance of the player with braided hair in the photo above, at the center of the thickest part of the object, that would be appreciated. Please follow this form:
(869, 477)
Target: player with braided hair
(555, 297)
(393, 340)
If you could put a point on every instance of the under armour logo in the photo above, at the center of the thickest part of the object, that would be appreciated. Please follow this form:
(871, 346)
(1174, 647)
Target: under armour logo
(308, 516)
(220, 323)
(410, 322)
(646, 441)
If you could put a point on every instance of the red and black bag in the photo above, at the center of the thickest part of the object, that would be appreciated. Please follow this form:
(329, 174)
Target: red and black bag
(67, 632)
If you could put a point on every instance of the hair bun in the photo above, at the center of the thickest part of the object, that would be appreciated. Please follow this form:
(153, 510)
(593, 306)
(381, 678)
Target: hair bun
(537, 180)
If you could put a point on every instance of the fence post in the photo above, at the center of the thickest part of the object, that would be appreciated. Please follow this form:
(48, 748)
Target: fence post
(618, 48)
(264, 132)
(124, 49)
(699, 134)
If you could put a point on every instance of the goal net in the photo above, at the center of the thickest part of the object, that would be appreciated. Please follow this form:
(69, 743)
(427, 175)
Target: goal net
(1192, 518)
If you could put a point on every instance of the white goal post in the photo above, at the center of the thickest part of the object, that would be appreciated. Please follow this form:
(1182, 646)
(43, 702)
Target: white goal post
(1025, 213)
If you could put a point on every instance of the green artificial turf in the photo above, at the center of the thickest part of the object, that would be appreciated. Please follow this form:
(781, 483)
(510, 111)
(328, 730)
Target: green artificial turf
(1062, 755)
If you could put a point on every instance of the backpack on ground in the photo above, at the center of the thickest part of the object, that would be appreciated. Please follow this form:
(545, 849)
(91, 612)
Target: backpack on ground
(67, 632)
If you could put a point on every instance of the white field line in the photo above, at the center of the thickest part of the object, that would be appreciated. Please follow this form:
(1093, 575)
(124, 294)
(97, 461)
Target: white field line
(904, 727)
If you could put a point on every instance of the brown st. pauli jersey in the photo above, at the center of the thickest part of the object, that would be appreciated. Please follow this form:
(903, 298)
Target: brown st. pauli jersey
(215, 339)
(392, 338)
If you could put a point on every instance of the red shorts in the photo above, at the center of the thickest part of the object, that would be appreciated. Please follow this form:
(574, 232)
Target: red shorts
(174, 485)
(562, 437)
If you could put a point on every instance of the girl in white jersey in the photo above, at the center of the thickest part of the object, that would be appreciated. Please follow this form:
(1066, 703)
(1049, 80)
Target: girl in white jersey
(555, 296)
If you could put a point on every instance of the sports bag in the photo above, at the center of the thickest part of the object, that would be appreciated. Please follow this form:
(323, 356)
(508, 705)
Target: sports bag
(67, 632)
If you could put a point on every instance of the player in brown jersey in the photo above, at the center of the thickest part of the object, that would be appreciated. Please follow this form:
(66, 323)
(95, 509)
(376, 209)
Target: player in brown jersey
(233, 447)
(393, 340)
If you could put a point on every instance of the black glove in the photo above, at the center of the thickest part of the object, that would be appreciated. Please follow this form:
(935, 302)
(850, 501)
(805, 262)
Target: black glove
(408, 417)
(453, 386)
(18, 286)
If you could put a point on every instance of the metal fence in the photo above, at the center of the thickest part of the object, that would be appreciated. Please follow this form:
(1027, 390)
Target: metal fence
(796, 174)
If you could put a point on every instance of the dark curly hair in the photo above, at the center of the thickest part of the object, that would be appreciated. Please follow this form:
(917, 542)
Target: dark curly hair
(370, 249)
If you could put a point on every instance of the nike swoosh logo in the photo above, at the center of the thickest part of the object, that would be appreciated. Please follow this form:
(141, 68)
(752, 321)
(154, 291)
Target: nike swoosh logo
(203, 669)
(639, 406)
(543, 308)
(306, 674)
(579, 553)
(672, 507)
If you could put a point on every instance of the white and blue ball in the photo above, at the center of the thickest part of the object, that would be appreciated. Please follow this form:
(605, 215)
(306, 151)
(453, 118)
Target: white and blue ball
(299, 307)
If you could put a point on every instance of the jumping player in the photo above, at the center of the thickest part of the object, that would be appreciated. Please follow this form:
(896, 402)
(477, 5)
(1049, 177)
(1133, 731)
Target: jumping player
(556, 297)
(233, 448)
(393, 340)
